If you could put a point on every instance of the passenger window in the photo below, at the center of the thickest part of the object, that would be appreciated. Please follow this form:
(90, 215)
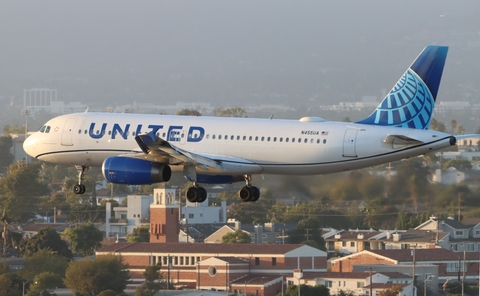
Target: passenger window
(244, 138)
(133, 134)
(263, 138)
(281, 139)
(293, 140)
(226, 137)
(79, 131)
(299, 140)
(268, 139)
(274, 139)
(311, 141)
(305, 141)
(213, 137)
(324, 141)
(109, 133)
(318, 141)
(219, 137)
(232, 137)
(250, 138)
(238, 138)
(256, 138)
(286, 140)
(85, 132)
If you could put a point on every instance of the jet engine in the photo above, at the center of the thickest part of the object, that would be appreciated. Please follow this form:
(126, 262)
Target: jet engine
(134, 171)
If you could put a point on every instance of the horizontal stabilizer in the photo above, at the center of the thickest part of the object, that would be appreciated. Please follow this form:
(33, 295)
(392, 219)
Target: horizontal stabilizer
(400, 140)
(460, 137)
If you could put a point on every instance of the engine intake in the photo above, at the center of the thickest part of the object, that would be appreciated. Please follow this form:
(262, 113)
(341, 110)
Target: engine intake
(134, 171)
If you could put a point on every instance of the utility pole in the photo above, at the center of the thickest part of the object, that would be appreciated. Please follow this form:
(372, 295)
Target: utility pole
(307, 233)
(413, 275)
(283, 236)
(370, 270)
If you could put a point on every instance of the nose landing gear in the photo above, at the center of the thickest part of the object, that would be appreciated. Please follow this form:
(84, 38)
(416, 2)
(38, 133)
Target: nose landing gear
(80, 188)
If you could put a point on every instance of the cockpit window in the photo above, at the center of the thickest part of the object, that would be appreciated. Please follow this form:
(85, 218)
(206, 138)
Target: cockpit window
(47, 130)
(42, 129)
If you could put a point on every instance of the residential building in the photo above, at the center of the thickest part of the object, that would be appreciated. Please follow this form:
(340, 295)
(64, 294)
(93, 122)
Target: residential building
(463, 236)
(449, 263)
(356, 282)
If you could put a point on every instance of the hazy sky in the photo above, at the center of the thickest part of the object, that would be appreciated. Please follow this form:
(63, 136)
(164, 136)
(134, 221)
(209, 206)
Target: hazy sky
(227, 51)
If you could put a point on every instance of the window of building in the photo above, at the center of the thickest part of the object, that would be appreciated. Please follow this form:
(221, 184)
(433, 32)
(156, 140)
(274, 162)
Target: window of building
(477, 232)
(360, 284)
(328, 284)
(181, 260)
(187, 260)
(257, 261)
(453, 247)
(459, 232)
(191, 216)
(470, 247)
(344, 244)
(352, 244)
(274, 261)
(175, 260)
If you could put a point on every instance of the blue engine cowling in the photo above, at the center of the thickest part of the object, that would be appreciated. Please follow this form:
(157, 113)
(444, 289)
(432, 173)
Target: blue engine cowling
(134, 171)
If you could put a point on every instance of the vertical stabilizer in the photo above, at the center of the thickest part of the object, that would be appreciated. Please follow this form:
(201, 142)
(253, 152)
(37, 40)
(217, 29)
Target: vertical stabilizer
(410, 103)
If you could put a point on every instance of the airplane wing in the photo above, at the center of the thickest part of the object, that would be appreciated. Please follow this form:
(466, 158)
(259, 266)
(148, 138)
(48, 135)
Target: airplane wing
(155, 146)
(400, 140)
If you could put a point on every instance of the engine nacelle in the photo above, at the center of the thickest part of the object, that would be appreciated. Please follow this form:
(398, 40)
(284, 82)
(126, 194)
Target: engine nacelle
(134, 171)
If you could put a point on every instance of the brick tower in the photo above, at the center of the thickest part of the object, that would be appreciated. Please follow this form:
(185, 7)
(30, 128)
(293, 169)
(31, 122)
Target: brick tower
(164, 217)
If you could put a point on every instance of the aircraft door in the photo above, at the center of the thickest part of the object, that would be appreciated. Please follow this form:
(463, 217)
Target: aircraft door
(349, 139)
(67, 132)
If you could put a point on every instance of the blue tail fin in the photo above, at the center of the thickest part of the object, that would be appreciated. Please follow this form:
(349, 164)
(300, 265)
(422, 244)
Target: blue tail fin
(410, 103)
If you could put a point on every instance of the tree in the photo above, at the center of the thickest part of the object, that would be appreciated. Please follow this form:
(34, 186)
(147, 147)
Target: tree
(45, 239)
(6, 158)
(84, 238)
(43, 261)
(188, 112)
(437, 125)
(453, 125)
(307, 290)
(152, 282)
(90, 277)
(230, 112)
(45, 283)
(460, 164)
(236, 237)
(10, 284)
(139, 234)
(20, 189)
(393, 291)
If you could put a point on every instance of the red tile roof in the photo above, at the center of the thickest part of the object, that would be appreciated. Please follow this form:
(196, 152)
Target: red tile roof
(434, 255)
(199, 248)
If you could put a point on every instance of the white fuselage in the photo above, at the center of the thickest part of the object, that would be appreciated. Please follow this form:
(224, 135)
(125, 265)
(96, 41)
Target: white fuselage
(267, 146)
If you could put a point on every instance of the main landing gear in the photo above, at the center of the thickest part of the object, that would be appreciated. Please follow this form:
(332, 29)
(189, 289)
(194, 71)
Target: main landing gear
(196, 193)
(249, 192)
(80, 188)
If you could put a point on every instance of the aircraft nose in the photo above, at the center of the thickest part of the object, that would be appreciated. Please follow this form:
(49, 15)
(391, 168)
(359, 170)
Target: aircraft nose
(30, 145)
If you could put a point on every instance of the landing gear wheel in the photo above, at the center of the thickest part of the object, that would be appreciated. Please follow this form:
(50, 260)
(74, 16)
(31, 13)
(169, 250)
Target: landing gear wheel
(79, 189)
(196, 194)
(249, 193)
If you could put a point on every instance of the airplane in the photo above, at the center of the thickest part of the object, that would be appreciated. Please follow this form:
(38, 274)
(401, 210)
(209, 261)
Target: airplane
(138, 149)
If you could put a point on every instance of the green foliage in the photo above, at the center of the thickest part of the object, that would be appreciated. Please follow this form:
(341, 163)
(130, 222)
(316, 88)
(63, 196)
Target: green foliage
(43, 261)
(230, 112)
(393, 291)
(44, 284)
(307, 290)
(108, 293)
(10, 284)
(437, 125)
(45, 239)
(13, 129)
(460, 164)
(20, 189)
(188, 112)
(6, 158)
(236, 237)
(139, 234)
(153, 281)
(84, 238)
(410, 220)
(90, 277)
